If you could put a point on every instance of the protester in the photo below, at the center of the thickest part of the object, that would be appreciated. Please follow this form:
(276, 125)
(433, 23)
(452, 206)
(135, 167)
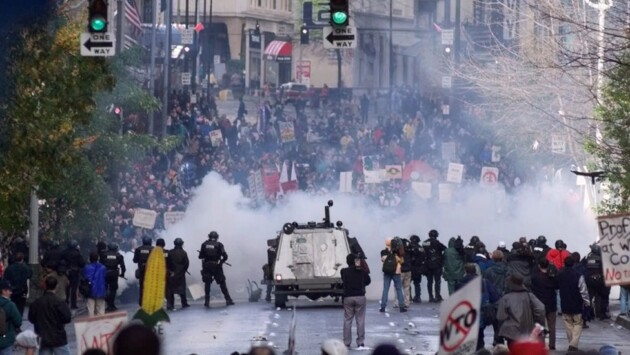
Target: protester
(49, 314)
(18, 274)
(13, 318)
(391, 273)
(453, 266)
(136, 339)
(354, 278)
(544, 286)
(94, 272)
(573, 297)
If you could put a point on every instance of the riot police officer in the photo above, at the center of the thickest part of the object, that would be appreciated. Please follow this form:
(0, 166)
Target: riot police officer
(177, 264)
(141, 257)
(540, 248)
(470, 250)
(435, 262)
(74, 262)
(114, 267)
(52, 257)
(213, 256)
(417, 255)
(597, 290)
(18, 245)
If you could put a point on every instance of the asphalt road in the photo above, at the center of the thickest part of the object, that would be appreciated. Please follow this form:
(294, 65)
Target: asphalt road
(223, 330)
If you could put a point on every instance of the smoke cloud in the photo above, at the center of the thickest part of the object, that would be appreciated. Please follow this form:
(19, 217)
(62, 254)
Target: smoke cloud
(490, 214)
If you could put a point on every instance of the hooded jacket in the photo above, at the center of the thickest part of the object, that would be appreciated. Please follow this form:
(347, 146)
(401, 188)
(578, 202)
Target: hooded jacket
(496, 274)
(483, 262)
(518, 312)
(521, 263)
(14, 321)
(557, 257)
(354, 279)
(453, 263)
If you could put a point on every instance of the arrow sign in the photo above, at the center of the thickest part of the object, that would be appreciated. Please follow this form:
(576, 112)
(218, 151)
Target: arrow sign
(89, 44)
(332, 38)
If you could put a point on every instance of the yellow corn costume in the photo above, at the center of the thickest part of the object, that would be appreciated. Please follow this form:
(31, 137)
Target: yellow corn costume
(152, 309)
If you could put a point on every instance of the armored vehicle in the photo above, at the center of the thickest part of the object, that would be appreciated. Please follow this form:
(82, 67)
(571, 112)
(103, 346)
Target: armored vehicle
(309, 258)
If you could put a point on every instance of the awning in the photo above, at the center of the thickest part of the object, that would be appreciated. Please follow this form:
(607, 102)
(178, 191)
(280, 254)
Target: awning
(280, 51)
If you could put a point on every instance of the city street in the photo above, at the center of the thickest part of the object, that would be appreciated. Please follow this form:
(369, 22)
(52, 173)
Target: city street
(223, 330)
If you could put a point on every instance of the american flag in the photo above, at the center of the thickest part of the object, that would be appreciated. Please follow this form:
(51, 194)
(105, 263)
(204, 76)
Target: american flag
(133, 17)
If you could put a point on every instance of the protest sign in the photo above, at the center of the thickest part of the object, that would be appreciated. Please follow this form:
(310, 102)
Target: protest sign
(496, 154)
(216, 138)
(558, 144)
(489, 176)
(345, 181)
(614, 240)
(423, 189)
(170, 218)
(144, 218)
(196, 291)
(393, 171)
(459, 320)
(455, 173)
(374, 176)
(287, 131)
(98, 332)
(445, 192)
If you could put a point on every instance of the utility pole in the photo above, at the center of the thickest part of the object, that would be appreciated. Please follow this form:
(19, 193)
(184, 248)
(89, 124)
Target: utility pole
(152, 65)
(120, 15)
(338, 51)
(186, 54)
(33, 245)
(210, 56)
(167, 64)
(195, 49)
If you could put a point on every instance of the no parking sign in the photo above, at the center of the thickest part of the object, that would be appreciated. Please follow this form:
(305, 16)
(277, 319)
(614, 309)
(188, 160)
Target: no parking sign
(459, 320)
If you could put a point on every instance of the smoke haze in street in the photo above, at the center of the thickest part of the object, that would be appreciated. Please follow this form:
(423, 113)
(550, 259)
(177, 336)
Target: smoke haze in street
(486, 213)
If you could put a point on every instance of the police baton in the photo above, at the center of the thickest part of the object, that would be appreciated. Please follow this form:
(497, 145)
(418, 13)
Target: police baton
(122, 277)
(226, 263)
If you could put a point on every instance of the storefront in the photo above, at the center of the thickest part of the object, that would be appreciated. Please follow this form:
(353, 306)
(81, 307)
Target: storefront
(277, 57)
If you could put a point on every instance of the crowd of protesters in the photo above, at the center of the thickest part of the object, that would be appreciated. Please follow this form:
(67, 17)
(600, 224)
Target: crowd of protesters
(332, 132)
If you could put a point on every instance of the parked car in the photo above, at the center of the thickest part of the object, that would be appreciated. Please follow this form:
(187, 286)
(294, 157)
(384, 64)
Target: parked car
(290, 91)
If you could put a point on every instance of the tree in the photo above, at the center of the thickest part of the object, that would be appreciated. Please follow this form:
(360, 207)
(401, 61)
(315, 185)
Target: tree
(613, 150)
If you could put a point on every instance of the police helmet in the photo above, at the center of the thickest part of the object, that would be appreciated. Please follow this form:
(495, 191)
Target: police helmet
(146, 240)
(213, 235)
(18, 240)
(178, 242)
(112, 247)
(541, 240)
(433, 233)
(160, 242)
(72, 244)
(414, 239)
(474, 240)
(560, 244)
(595, 248)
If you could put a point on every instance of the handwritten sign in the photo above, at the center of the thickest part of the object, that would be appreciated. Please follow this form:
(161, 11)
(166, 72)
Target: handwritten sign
(170, 218)
(455, 173)
(614, 240)
(98, 332)
(216, 138)
(144, 218)
(393, 171)
(459, 320)
(423, 189)
(445, 193)
(287, 131)
(489, 176)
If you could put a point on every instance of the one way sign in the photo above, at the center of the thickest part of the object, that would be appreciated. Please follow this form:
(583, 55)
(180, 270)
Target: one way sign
(97, 45)
(343, 37)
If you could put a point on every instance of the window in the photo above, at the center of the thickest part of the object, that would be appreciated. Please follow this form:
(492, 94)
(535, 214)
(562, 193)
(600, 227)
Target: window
(259, 3)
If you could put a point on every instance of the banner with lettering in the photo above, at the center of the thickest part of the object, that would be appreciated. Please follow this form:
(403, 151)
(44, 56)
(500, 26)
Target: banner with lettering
(98, 332)
(614, 241)
(144, 218)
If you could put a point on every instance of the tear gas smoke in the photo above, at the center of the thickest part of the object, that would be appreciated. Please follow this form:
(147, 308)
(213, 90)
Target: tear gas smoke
(491, 215)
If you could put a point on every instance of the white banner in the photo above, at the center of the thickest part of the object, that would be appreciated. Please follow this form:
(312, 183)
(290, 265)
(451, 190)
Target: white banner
(459, 320)
(445, 192)
(345, 181)
(455, 173)
(144, 218)
(489, 176)
(374, 176)
(614, 240)
(98, 331)
(170, 218)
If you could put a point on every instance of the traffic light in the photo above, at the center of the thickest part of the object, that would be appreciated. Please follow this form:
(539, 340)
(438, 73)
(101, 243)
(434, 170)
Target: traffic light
(304, 35)
(97, 16)
(339, 13)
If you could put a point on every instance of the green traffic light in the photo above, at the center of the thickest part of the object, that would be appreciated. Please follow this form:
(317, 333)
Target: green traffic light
(339, 18)
(98, 24)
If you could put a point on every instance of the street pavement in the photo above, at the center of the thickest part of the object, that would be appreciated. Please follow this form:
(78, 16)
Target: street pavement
(223, 330)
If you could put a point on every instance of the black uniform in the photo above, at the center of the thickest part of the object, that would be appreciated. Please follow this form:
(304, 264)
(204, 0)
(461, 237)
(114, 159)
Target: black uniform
(268, 270)
(597, 289)
(74, 262)
(415, 252)
(114, 267)
(140, 257)
(213, 255)
(18, 246)
(53, 259)
(435, 262)
(177, 264)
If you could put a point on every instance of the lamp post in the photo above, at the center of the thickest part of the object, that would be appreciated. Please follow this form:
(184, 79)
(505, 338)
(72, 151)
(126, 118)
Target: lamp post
(601, 6)
(391, 55)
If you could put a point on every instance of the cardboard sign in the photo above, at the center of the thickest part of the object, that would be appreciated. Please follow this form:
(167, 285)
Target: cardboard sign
(197, 291)
(558, 144)
(489, 176)
(287, 132)
(345, 181)
(455, 173)
(216, 138)
(144, 218)
(614, 240)
(171, 218)
(423, 189)
(445, 192)
(459, 320)
(374, 176)
(98, 332)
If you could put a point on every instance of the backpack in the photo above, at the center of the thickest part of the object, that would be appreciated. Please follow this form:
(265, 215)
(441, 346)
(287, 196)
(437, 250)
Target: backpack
(85, 286)
(389, 265)
(4, 325)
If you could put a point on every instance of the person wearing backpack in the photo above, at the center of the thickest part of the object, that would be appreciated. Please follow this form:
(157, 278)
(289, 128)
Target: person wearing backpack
(391, 272)
(10, 319)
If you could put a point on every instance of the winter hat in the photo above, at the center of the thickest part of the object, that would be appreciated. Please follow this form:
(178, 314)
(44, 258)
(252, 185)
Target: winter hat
(5, 285)
(608, 350)
(515, 282)
(501, 244)
(334, 347)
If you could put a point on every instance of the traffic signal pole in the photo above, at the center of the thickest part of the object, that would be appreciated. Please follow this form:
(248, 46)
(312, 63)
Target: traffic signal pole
(120, 14)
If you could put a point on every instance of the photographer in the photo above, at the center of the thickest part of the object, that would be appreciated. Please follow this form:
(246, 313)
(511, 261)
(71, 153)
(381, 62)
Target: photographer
(354, 278)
